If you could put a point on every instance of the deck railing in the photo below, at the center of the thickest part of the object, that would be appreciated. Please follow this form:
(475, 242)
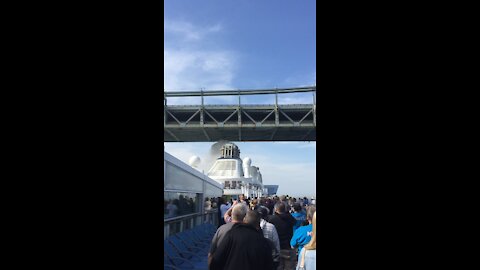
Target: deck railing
(179, 224)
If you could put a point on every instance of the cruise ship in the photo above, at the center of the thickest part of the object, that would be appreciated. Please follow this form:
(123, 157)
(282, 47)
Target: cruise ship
(237, 176)
(188, 221)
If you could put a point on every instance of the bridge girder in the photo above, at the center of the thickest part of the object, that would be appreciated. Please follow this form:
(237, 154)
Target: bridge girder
(240, 123)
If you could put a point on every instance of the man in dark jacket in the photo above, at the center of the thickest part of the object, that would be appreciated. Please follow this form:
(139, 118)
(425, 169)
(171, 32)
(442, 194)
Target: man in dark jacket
(284, 223)
(244, 247)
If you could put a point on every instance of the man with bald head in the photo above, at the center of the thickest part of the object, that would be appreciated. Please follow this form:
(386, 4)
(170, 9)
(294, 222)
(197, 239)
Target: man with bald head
(244, 247)
(239, 211)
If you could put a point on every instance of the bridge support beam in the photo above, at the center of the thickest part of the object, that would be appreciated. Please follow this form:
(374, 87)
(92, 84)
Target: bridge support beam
(292, 122)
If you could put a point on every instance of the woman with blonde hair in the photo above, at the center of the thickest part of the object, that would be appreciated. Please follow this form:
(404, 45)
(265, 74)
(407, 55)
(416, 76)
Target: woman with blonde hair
(307, 259)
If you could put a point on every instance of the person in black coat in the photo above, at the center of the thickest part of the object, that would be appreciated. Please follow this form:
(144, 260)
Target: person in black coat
(244, 247)
(284, 223)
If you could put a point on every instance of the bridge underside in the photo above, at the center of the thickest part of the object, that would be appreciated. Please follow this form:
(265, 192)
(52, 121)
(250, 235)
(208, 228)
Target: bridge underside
(242, 134)
(245, 123)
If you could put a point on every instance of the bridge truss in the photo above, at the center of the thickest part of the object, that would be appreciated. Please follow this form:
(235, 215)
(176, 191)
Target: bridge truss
(210, 123)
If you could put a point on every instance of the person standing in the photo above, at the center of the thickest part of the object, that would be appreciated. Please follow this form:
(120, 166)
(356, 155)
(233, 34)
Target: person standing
(224, 206)
(270, 233)
(243, 247)
(214, 202)
(284, 200)
(172, 208)
(183, 207)
(253, 204)
(242, 199)
(238, 214)
(303, 235)
(228, 215)
(298, 215)
(208, 204)
(284, 222)
(193, 207)
(291, 201)
(222, 209)
(307, 259)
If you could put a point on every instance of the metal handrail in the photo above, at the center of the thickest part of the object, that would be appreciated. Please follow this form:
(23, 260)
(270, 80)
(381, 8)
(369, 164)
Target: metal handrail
(239, 92)
(189, 215)
(181, 217)
(207, 216)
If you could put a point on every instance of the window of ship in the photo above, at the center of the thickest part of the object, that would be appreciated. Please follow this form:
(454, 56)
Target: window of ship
(224, 168)
(178, 179)
(212, 191)
(180, 203)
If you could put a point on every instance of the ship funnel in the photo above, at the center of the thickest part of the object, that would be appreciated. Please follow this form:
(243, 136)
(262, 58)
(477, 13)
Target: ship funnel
(246, 167)
(230, 150)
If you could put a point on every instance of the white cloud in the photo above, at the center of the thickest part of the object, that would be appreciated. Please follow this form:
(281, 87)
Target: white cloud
(194, 70)
(191, 64)
(186, 31)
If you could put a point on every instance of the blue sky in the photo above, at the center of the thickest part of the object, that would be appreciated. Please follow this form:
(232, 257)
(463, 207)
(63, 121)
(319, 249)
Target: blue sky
(227, 45)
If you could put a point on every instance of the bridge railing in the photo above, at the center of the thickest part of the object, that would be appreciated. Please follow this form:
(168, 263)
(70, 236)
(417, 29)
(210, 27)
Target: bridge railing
(246, 106)
(239, 92)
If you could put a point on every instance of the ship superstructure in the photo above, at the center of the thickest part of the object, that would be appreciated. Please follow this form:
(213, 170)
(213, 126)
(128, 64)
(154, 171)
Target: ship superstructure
(237, 175)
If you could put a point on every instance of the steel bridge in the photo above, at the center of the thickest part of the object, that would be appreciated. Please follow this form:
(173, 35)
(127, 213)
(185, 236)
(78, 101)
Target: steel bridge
(240, 122)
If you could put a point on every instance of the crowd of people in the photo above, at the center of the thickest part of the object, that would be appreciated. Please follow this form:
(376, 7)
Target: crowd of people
(276, 233)
(182, 206)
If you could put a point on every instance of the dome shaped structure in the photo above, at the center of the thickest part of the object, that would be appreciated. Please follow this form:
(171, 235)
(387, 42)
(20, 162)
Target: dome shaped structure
(194, 161)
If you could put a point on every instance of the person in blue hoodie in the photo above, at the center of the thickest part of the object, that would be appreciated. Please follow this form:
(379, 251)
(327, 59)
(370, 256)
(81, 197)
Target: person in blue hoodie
(307, 258)
(299, 216)
(303, 234)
